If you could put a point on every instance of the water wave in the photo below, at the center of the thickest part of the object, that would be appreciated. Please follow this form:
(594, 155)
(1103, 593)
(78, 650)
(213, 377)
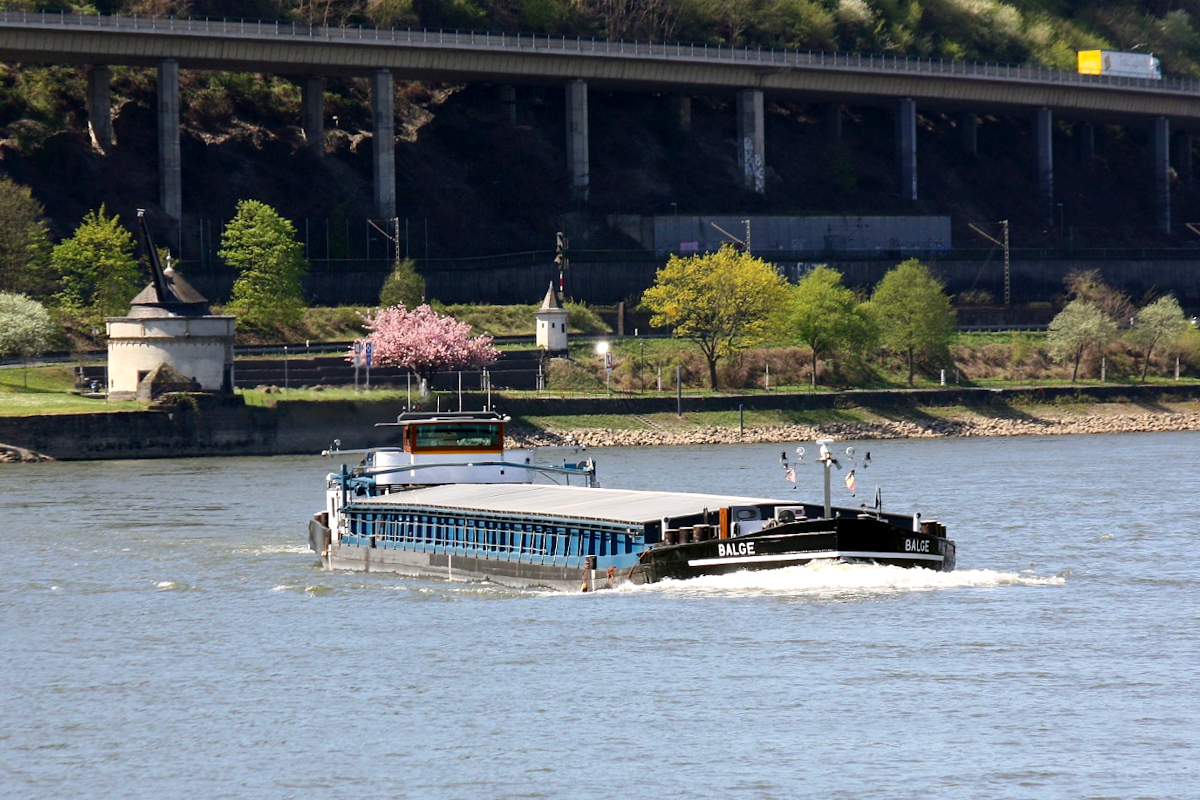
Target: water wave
(414, 588)
(272, 549)
(309, 590)
(824, 579)
(175, 586)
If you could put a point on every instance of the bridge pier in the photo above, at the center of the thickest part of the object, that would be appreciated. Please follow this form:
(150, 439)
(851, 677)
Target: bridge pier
(1085, 144)
(968, 125)
(383, 135)
(99, 107)
(1183, 157)
(506, 95)
(1043, 144)
(832, 114)
(906, 147)
(751, 140)
(312, 113)
(1160, 155)
(577, 139)
(170, 163)
(681, 112)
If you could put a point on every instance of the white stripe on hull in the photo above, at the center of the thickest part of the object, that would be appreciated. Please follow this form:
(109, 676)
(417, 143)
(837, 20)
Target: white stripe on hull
(824, 554)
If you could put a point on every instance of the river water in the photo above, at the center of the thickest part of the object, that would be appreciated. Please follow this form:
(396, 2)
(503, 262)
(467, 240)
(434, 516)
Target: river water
(167, 633)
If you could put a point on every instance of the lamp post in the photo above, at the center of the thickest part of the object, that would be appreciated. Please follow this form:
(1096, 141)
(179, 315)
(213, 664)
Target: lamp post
(602, 350)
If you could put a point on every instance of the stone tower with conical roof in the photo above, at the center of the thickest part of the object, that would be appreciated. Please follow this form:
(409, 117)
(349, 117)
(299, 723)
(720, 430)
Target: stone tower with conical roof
(552, 323)
(168, 323)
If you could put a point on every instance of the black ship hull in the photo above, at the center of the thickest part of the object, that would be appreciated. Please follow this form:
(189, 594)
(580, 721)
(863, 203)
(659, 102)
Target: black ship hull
(857, 540)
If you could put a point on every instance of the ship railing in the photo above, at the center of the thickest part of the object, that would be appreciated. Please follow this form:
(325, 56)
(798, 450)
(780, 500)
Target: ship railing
(445, 531)
(585, 469)
(451, 535)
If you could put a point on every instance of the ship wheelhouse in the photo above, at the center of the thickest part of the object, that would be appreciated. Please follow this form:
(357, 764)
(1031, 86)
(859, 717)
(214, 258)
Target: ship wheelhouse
(439, 447)
(441, 435)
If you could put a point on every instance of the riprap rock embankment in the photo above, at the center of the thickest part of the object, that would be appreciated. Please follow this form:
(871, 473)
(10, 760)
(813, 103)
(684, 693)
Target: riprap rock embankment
(1030, 423)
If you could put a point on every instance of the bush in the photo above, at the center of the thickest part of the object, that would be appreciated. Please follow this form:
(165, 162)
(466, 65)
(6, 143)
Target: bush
(404, 286)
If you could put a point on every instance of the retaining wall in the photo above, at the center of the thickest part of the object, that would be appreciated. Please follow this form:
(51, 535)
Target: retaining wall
(219, 426)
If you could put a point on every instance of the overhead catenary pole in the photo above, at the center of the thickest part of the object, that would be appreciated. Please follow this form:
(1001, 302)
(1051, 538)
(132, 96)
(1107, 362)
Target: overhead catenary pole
(1007, 270)
(1004, 244)
(678, 392)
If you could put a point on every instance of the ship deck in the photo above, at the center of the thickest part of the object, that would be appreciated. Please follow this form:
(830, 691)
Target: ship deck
(624, 506)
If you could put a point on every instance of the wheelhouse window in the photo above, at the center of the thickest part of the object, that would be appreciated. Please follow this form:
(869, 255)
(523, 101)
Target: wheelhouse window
(456, 437)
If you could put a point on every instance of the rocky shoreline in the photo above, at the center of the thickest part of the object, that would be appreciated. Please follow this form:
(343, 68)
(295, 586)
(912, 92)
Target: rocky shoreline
(11, 454)
(1019, 424)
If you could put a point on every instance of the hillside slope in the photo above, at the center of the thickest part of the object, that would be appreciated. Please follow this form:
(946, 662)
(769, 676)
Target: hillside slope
(479, 184)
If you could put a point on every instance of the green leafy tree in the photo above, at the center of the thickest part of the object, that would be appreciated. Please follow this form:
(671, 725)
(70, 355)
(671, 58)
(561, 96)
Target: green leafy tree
(26, 329)
(404, 287)
(1158, 323)
(261, 245)
(24, 242)
(914, 314)
(98, 272)
(1079, 326)
(827, 316)
(724, 301)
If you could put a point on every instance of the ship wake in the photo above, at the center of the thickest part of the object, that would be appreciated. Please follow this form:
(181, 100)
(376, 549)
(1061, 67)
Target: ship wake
(843, 581)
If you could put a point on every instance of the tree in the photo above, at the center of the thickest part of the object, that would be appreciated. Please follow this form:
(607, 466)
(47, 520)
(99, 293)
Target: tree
(913, 313)
(99, 274)
(26, 329)
(1089, 285)
(827, 316)
(1160, 322)
(723, 301)
(404, 287)
(426, 342)
(261, 245)
(1082, 324)
(629, 20)
(24, 242)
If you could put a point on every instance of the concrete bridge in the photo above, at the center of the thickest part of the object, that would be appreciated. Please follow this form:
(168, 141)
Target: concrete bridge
(1169, 108)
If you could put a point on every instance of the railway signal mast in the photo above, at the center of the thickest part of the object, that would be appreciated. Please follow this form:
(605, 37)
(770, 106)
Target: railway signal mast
(561, 245)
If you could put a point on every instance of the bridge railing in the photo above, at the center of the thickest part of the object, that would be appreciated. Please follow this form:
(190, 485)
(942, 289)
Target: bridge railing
(526, 42)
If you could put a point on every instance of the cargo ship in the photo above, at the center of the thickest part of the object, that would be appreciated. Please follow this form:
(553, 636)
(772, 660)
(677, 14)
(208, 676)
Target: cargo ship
(451, 501)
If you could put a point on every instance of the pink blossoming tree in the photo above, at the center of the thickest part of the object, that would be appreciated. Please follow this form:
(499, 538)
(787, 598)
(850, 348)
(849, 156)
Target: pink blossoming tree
(425, 342)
